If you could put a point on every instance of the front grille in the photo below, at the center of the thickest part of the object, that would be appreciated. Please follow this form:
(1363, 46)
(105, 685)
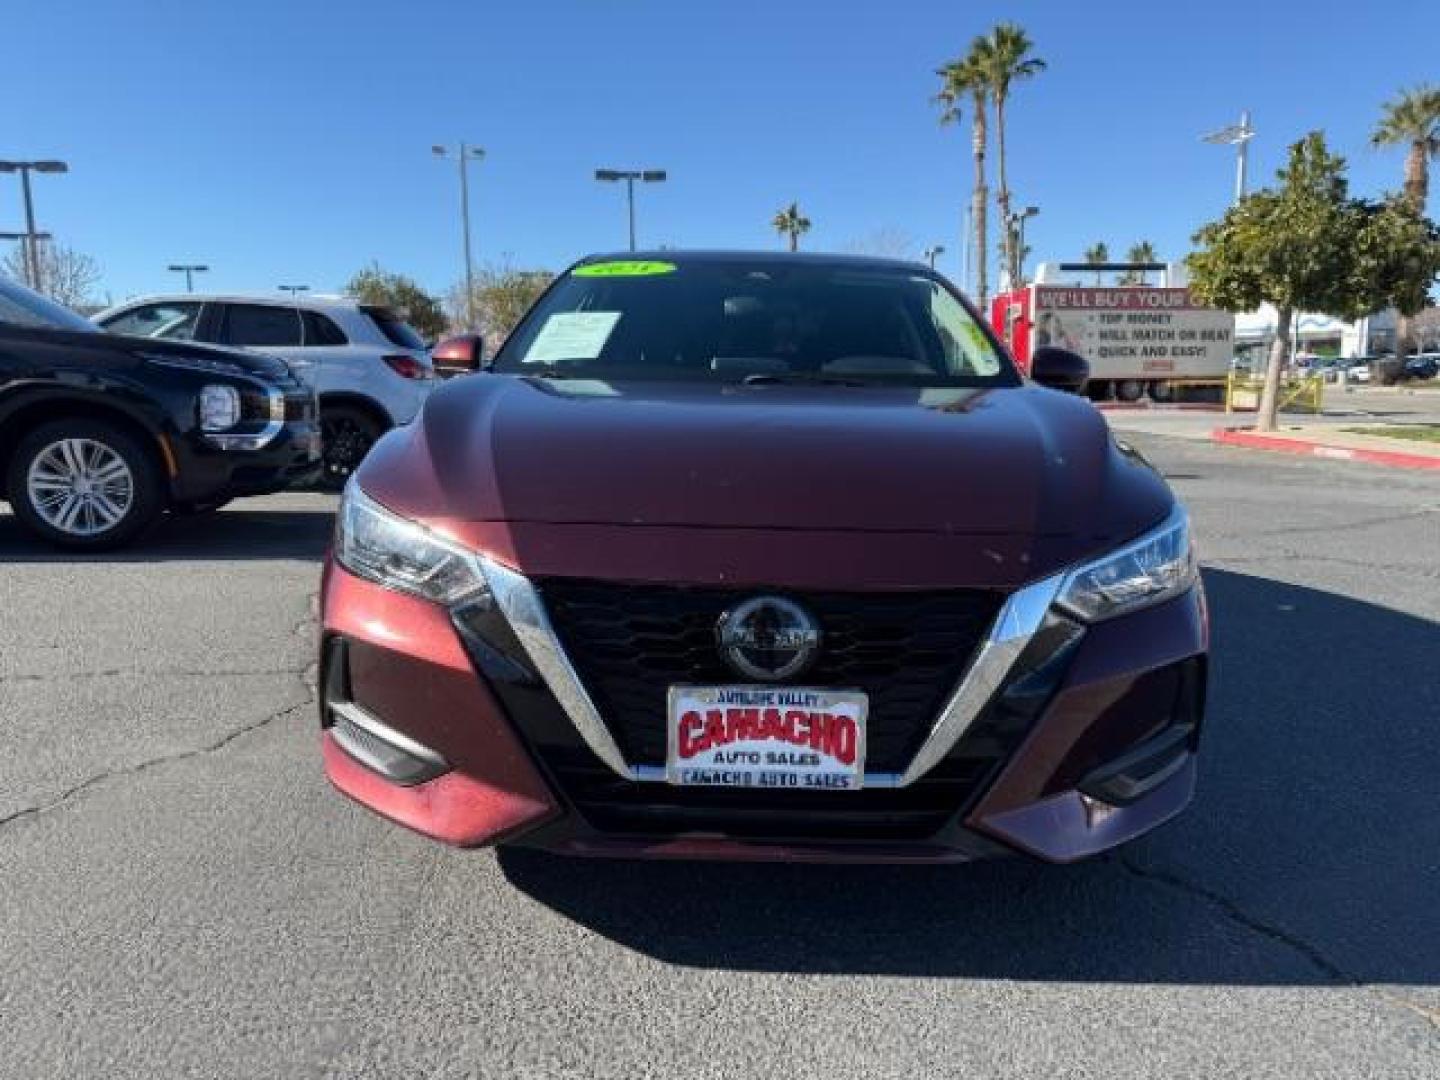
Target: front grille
(631, 642)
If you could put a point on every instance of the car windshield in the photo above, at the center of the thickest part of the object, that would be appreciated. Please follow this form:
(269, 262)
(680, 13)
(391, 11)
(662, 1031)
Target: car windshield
(21, 307)
(760, 321)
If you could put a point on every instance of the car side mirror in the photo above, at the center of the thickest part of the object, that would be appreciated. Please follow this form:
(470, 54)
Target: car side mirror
(1059, 369)
(463, 354)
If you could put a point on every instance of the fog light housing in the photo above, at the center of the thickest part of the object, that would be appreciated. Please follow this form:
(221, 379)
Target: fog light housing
(219, 407)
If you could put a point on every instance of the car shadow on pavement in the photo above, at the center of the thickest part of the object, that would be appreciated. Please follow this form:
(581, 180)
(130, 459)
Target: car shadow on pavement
(1309, 856)
(233, 533)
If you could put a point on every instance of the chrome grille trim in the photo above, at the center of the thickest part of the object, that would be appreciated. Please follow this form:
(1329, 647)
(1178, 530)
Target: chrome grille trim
(1009, 634)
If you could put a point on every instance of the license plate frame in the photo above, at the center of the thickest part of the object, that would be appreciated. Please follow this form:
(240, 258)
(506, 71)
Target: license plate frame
(797, 750)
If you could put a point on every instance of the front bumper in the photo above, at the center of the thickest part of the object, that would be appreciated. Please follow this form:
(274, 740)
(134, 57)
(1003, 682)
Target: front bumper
(204, 472)
(1089, 743)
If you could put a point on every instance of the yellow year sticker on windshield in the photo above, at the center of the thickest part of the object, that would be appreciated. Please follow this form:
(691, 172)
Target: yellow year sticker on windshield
(633, 268)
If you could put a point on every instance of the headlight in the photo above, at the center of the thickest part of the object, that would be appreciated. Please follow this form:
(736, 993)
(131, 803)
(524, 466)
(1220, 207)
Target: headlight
(1158, 566)
(219, 407)
(375, 544)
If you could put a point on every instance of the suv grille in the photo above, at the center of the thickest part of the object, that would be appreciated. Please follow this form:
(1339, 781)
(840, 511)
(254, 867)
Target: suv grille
(631, 642)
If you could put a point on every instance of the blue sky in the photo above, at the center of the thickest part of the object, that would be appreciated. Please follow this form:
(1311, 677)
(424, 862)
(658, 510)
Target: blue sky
(289, 141)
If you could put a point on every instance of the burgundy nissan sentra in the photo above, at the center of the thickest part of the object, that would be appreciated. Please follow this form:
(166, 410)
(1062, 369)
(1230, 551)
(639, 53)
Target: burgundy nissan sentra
(763, 557)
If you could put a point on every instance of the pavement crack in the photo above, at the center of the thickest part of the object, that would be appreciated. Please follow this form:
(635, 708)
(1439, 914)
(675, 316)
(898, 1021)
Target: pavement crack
(138, 768)
(1357, 525)
(1238, 915)
(111, 673)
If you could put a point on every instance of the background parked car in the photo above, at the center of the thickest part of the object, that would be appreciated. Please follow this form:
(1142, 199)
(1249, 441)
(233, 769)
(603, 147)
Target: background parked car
(100, 434)
(1423, 366)
(370, 368)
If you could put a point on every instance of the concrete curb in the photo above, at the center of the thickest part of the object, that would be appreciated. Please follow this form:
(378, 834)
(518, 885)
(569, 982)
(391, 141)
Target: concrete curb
(1395, 459)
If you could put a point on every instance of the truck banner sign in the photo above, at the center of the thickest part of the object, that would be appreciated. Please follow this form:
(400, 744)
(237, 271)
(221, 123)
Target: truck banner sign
(1135, 331)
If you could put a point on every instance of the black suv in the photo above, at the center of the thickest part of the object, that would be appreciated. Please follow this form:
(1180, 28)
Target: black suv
(100, 434)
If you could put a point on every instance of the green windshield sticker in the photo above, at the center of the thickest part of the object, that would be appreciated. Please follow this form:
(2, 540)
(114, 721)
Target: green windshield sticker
(624, 269)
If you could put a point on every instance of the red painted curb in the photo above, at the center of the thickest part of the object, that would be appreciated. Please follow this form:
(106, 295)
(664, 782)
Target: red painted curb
(1395, 459)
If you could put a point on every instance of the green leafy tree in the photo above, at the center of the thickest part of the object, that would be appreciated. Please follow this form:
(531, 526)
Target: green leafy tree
(1005, 57)
(792, 223)
(961, 79)
(1142, 252)
(374, 285)
(1097, 255)
(1411, 120)
(503, 294)
(1306, 245)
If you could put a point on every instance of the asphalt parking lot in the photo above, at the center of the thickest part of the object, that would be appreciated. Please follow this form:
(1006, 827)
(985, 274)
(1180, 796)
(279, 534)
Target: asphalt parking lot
(182, 895)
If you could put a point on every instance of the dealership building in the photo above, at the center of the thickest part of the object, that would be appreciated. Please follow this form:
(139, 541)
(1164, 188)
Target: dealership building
(1319, 335)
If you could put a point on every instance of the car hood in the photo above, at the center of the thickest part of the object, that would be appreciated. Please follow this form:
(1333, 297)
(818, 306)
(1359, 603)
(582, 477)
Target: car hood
(1022, 461)
(263, 365)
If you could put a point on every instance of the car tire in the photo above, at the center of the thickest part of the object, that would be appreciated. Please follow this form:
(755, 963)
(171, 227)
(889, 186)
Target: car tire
(84, 484)
(1129, 389)
(1162, 391)
(346, 435)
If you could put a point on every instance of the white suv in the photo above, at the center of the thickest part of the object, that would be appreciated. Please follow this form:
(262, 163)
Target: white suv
(370, 369)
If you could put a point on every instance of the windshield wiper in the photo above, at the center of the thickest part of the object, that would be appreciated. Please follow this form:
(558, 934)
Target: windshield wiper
(771, 378)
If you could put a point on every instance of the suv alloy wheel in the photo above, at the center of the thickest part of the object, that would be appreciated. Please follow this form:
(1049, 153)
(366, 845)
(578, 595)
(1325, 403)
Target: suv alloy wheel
(84, 484)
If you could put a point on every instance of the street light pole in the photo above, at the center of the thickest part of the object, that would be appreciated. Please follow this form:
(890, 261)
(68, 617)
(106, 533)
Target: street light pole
(1017, 225)
(462, 162)
(645, 176)
(293, 290)
(965, 250)
(1238, 136)
(463, 158)
(189, 270)
(932, 252)
(32, 247)
(630, 207)
(24, 238)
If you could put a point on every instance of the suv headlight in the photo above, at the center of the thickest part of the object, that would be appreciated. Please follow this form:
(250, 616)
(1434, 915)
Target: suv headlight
(1155, 568)
(219, 407)
(379, 546)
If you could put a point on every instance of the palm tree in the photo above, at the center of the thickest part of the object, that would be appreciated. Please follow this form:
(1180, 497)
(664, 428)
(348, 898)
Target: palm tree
(959, 79)
(1096, 255)
(1004, 57)
(1412, 120)
(792, 223)
(1142, 252)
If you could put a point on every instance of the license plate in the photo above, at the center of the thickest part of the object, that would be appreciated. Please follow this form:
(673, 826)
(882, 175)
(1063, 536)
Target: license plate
(775, 737)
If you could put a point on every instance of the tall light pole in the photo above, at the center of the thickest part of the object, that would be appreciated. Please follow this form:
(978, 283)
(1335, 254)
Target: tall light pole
(189, 270)
(965, 249)
(22, 238)
(1017, 224)
(645, 176)
(933, 252)
(293, 290)
(32, 248)
(464, 155)
(1238, 136)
